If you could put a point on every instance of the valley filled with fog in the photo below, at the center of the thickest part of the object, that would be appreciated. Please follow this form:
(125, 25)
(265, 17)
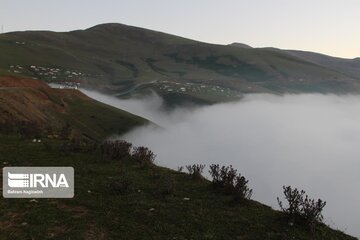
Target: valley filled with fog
(308, 141)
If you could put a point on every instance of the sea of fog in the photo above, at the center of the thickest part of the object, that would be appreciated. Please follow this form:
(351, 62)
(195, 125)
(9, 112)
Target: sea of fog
(308, 141)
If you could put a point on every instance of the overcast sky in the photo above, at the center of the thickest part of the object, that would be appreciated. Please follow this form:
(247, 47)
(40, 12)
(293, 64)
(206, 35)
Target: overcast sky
(326, 26)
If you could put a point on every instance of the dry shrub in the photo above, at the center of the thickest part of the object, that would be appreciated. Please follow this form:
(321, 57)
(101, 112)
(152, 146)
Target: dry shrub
(115, 150)
(300, 207)
(230, 181)
(143, 155)
(195, 171)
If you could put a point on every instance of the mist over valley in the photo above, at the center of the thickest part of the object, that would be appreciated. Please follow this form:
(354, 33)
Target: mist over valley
(308, 141)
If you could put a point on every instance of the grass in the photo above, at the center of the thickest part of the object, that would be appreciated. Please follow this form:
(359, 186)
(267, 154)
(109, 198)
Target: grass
(98, 120)
(97, 212)
(112, 56)
(59, 111)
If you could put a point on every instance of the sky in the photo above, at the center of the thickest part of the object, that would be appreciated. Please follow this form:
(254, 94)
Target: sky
(308, 141)
(326, 26)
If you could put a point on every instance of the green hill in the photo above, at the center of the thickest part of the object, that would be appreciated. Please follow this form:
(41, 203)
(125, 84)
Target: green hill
(126, 200)
(126, 60)
(29, 107)
(350, 67)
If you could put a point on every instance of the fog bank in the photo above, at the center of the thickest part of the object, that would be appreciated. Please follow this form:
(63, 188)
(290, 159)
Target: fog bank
(308, 141)
(150, 107)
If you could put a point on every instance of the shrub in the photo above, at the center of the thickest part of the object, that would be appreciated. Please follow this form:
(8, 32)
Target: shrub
(242, 191)
(195, 171)
(295, 198)
(227, 179)
(223, 177)
(115, 150)
(302, 208)
(143, 155)
(312, 210)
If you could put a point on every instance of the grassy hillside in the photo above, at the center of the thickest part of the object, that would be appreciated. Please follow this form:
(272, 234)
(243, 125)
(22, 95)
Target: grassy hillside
(151, 205)
(29, 106)
(350, 67)
(121, 59)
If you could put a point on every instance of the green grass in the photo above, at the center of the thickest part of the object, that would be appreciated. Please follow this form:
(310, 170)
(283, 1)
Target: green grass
(98, 120)
(67, 113)
(98, 213)
(114, 56)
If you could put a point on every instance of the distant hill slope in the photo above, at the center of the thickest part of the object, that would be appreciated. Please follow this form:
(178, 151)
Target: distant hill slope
(350, 67)
(31, 107)
(127, 60)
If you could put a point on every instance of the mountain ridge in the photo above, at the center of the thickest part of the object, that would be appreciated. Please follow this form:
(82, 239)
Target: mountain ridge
(114, 58)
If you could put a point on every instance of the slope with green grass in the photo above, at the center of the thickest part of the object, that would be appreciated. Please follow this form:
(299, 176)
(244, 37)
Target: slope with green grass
(31, 107)
(158, 203)
(117, 58)
(350, 67)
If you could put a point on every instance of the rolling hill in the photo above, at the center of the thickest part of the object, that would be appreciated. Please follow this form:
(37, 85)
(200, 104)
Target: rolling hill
(118, 198)
(122, 198)
(30, 107)
(349, 67)
(126, 60)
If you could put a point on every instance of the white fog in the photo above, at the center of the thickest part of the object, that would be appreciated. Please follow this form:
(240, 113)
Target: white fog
(308, 141)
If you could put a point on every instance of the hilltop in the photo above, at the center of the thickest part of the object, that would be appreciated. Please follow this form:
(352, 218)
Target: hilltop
(126, 60)
(240, 45)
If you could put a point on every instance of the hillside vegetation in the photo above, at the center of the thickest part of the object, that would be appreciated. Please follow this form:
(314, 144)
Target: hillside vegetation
(124, 199)
(127, 60)
(30, 107)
